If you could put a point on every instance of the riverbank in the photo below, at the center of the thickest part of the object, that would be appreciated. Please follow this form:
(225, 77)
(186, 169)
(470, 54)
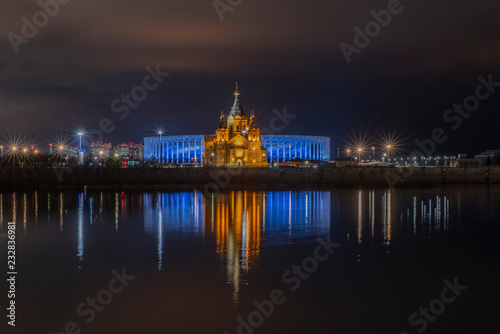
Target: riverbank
(214, 179)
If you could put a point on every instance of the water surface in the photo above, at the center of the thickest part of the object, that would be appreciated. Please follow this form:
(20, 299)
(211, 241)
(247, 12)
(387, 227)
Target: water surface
(199, 262)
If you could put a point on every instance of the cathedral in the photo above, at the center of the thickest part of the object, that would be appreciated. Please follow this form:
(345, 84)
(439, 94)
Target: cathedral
(237, 140)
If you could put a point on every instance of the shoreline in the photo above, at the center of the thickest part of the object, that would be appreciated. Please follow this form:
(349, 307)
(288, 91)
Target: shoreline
(217, 179)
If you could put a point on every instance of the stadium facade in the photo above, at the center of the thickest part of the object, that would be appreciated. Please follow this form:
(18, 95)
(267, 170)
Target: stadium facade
(191, 148)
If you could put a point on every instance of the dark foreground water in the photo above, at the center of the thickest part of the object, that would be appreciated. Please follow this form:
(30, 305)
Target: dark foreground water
(251, 262)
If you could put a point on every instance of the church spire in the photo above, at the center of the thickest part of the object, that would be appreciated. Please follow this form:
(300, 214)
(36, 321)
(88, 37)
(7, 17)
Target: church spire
(236, 109)
(222, 123)
(236, 92)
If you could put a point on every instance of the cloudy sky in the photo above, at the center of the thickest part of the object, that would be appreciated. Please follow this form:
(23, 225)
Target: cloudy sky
(282, 53)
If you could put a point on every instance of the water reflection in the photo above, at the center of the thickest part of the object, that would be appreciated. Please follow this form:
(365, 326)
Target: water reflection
(81, 207)
(236, 225)
(175, 213)
(239, 226)
(421, 214)
(61, 211)
(238, 220)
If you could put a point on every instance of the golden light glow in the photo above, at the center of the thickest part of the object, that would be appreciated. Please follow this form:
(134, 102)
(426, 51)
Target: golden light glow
(357, 142)
(236, 227)
(391, 144)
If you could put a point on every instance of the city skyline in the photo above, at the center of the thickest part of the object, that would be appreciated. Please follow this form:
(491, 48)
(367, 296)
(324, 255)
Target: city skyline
(357, 143)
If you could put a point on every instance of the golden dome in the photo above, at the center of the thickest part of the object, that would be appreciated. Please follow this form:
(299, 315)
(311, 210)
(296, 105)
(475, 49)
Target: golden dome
(236, 92)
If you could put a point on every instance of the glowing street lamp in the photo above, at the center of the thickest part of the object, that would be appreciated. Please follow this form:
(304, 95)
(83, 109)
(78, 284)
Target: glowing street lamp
(80, 134)
(373, 152)
(160, 133)
(359, 154)
(348, 153)
(2, 150)
(14, 149)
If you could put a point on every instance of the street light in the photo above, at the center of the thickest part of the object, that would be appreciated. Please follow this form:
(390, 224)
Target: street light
(14, 149)
(2, 150)
(159, 145)
(359, 155)
(373, 152)
(80, 134)
(348, 153)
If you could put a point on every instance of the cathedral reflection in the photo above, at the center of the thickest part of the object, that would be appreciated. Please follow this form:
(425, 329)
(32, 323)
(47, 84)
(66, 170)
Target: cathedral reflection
(238, 220)
(235, 224)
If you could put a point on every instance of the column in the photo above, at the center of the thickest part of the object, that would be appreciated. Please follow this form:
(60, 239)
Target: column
(315, 148)
(169, 150)
(177, 152)
(306, 148)
(289, 149)
(283, 144)
(300, 147)
(271, 147)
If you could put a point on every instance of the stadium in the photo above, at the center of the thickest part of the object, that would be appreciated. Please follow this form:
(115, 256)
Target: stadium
(185, 149)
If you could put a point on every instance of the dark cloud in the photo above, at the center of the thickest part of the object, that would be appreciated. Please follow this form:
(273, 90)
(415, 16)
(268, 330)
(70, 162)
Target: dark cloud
(282, 52)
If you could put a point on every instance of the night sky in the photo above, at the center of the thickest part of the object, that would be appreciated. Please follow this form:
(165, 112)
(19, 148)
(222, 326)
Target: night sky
(282, 53)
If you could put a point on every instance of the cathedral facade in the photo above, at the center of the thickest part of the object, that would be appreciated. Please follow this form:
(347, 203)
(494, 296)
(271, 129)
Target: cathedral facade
(237, 141)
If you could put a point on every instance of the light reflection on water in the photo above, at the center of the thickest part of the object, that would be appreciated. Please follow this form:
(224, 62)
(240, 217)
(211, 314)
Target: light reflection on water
(238, 224)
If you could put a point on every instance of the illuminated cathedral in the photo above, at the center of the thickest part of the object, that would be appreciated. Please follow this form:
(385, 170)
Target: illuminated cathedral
(237, 141)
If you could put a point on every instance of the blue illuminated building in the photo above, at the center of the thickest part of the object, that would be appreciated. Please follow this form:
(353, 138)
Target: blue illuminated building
(190, 148)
